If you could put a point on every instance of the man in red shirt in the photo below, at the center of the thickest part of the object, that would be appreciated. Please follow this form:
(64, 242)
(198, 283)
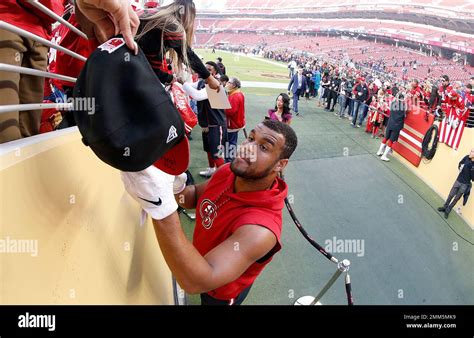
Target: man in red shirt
(239, 216)
(415, 93)
(448, 101)
(235, 117)
(15, 50)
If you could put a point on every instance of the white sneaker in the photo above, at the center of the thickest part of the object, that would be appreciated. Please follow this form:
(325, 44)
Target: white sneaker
(385, 154)
(208, 172)
(381, 150)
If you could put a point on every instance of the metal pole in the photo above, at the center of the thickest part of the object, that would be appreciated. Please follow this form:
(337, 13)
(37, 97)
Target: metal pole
(350, 300)
(49, 12)
(28, 35)
(341, 267)
(26, 107)
(22, 70)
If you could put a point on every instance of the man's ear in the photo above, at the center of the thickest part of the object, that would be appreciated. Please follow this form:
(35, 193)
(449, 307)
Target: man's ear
(281, 165)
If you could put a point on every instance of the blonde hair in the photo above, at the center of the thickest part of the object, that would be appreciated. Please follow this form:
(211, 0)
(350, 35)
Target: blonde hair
(428, 86)
(177, 17)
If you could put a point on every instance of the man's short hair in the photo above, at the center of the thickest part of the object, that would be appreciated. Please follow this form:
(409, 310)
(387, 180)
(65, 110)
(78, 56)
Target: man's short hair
(445, 78)
(216, 67)
(219, 59)
(291, 140)
(224, 78)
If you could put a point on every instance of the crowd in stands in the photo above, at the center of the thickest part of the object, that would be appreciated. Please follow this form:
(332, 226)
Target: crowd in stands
(365, 93)
(371, 100)
(400, 62)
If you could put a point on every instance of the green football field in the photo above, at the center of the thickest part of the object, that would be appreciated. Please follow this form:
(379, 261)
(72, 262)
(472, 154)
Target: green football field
(247, 68)
(341, 191)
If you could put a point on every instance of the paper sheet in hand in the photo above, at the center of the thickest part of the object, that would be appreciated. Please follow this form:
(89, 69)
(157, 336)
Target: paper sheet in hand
(218, 100)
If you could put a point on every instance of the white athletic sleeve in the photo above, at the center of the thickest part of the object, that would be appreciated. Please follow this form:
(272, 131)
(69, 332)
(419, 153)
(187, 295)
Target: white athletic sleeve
(198, 95)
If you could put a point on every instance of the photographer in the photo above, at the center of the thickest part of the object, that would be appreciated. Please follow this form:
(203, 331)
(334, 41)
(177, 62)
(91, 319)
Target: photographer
(334, 88)
(462, 186)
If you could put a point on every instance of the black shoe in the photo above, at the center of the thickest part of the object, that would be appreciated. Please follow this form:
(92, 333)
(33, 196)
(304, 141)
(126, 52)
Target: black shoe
(446, 214)
(332, 110)
(441, 209)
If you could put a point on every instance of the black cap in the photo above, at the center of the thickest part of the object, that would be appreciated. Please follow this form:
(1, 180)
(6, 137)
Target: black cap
(133, 122)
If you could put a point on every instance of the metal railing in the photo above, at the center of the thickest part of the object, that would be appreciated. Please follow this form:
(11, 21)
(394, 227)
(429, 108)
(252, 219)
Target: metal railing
(33, 72)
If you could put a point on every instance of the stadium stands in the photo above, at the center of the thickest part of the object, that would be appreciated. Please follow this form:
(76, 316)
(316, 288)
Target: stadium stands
(361, 26)
(279, 4)
(356, 50)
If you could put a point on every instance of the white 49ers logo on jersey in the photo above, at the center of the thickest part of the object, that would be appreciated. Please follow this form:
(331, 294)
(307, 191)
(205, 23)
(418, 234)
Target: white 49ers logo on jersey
(208, 211)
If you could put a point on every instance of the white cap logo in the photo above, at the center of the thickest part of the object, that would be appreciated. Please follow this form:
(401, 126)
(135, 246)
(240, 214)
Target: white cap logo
(173, 134)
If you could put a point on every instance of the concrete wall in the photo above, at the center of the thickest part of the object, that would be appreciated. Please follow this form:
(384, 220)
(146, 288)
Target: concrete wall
(442, 171)
(90, 247)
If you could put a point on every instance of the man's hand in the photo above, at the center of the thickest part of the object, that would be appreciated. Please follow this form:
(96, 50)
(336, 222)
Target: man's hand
(153, 190)
(111, 17)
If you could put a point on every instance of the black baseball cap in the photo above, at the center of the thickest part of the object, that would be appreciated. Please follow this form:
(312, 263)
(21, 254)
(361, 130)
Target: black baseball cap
(133, 123)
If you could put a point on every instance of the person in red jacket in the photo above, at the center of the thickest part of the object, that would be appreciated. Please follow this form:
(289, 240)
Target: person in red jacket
(235, 117)
(449, 101)
(239, 216)
(67, 65)
(16, 50)
(415, 93)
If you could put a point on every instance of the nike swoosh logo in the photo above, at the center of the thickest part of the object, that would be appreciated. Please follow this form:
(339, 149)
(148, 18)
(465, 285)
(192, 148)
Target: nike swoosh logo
(154, 203)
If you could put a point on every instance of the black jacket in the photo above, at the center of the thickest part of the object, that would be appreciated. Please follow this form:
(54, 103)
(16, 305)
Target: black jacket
(335, 85)
(364, 90)
(467, 173)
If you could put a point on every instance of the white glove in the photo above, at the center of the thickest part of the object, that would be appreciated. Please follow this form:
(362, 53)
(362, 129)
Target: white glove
(179, 183)
(153, 190)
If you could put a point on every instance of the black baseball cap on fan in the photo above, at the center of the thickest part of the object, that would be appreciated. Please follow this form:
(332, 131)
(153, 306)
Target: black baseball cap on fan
(134, 123)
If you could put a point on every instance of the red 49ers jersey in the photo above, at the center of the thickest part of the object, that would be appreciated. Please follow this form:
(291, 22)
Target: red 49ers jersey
(220, 212)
